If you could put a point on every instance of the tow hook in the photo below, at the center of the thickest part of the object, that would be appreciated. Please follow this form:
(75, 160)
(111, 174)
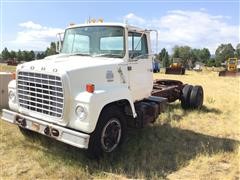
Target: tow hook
(49, 131)
(21, 121)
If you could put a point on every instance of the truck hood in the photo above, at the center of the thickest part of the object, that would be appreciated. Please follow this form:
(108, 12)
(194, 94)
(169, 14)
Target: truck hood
(76, 72)
(68, 63)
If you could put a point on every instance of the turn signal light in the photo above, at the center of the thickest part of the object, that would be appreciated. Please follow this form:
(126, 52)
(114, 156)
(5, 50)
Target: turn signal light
(90, 88)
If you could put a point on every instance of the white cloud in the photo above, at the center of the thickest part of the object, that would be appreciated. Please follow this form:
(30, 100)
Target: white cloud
(133, 19)
(30, 25)
(202, 9)
(33, 37)
(197, 29)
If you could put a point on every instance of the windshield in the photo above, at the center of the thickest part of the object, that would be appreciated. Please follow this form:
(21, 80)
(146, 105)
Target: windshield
(107, 41)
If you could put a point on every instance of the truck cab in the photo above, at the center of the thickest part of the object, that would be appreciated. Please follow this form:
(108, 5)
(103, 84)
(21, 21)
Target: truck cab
(100, 83)
(101, 68)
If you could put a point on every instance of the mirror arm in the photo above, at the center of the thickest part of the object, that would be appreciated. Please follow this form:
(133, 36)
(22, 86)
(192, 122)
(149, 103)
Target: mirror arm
(58, 42)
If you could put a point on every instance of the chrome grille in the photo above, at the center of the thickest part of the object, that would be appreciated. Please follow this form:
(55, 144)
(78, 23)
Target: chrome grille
(41, 93)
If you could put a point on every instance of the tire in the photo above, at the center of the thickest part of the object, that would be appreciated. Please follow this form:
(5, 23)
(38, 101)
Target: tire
(167, 71)
(196, 97)
(185, 99)
(26, 132)
(109, 132)
(222, 73)
(138, 123)
(183, 71)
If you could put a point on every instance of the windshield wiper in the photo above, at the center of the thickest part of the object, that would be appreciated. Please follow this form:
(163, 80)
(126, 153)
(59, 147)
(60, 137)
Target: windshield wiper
(79, 54)
(108, 55)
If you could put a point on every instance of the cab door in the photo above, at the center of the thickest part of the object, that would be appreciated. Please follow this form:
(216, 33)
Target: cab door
(139, 66)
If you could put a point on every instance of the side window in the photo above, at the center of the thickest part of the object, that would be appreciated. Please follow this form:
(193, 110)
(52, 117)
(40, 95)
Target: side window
(137, 44)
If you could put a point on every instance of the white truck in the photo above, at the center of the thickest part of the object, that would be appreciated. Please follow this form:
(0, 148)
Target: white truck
(100, 83)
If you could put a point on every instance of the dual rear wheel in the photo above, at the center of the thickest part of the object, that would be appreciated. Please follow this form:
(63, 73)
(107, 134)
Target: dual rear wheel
(192, 97)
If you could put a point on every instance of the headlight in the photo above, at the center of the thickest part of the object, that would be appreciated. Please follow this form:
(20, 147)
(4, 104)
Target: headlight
(81, 112)
(11, 96)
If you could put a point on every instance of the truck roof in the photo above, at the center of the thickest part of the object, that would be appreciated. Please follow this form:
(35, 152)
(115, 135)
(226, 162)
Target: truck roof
(107, 24)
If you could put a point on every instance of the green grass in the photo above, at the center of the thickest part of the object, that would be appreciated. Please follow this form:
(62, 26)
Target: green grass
(181, 144)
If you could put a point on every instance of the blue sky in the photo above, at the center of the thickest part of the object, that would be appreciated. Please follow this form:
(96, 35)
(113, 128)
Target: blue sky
(33, 24)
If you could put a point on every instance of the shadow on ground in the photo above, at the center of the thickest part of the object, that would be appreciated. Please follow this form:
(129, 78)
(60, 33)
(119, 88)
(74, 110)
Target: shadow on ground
(204, 109)
(153, 151)
(172, 116)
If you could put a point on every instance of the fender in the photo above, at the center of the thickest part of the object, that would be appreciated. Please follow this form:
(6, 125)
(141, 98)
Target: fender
(95, 102)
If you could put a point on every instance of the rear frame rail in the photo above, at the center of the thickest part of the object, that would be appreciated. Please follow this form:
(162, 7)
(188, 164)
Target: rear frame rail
(170, 89)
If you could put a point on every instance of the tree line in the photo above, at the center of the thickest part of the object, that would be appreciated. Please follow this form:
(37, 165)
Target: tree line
(19, 55)
(188, 56)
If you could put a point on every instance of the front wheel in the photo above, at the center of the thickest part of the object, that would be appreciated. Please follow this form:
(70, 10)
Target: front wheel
(111, 135)
(109, 132)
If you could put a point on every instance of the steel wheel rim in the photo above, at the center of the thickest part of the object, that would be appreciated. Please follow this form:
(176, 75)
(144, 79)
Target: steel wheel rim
(111, 135)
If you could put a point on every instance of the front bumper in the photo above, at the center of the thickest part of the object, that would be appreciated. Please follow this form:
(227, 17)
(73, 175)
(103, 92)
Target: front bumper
(68, 136)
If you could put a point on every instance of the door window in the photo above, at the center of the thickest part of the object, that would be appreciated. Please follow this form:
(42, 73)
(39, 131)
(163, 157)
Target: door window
(137, 45)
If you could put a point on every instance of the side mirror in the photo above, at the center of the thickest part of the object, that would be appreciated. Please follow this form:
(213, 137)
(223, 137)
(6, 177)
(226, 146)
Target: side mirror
(59, 42)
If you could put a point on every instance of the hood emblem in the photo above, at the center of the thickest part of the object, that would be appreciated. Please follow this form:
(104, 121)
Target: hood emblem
(109, 76)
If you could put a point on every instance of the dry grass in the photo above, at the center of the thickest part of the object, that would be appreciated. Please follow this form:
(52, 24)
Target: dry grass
(6, 68)
(200, 144)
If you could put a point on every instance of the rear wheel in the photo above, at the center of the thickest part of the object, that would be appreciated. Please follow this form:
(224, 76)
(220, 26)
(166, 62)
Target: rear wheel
(222, 73)
(183, 71)
(196, 97)
(185, 99)
(109, 132)
(167, 71)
